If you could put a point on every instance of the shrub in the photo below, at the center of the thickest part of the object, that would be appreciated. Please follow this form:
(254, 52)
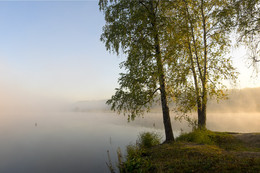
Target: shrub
(136, 160)
(198, 136)
(148, 139)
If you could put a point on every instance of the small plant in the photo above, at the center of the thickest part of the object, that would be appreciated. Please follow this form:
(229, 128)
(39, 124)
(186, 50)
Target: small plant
(109, 163)
(136, 159)
(148, 139)
(119, 164)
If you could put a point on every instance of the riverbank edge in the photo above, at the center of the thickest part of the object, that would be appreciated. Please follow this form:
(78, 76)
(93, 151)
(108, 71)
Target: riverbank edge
(198, 151)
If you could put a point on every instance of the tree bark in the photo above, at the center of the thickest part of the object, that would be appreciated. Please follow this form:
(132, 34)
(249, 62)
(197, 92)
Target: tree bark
(201, 96)
(202, 116)
(166, 116)
(161, 76)
(164, 102)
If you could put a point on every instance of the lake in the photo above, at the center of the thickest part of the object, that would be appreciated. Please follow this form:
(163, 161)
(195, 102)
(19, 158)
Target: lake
(63, 142)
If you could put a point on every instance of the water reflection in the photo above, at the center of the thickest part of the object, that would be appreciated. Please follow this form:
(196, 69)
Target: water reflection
(62, 142)
(78, 142)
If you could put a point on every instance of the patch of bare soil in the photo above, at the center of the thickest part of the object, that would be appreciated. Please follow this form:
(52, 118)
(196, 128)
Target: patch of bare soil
(250, 139)
(247, 154)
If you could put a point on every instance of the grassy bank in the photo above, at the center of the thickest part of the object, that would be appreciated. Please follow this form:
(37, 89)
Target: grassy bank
(198, 151)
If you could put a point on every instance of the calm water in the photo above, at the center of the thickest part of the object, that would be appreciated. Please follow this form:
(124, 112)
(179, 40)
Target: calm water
(78, 142)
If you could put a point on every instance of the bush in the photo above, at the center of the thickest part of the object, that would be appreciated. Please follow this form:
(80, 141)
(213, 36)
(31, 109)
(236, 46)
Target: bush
(148, 139)
(198, 136)
(136, 159)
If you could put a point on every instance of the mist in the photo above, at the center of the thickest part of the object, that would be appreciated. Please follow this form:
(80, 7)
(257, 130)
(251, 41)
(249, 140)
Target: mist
(38, 130)
(245, 100)
(17, 99)
(239, 101)
(239, 113)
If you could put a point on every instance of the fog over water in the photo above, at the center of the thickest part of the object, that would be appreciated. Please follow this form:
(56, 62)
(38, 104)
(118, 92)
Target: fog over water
(53, 136)
(63, 141)
(239, 113)
(51, 62)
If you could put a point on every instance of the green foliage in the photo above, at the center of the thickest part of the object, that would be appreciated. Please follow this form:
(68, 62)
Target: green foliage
(202, 32)
(223, 140)
(176, 47)
(130, 26)
(213, 152)
(148, 140)
(197, 136)
(246, 23)
(247, 17)
(135, 159)
(136, 28)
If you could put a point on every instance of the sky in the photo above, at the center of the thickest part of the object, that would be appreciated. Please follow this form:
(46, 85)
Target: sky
(51, 49)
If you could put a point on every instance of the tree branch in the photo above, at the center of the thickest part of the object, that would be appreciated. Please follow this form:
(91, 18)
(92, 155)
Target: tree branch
(151, 96)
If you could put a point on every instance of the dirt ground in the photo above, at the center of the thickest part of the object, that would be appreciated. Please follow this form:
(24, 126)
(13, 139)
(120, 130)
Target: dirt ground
(251, 139)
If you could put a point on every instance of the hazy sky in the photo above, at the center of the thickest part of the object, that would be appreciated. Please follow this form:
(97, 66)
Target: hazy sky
(51, 49)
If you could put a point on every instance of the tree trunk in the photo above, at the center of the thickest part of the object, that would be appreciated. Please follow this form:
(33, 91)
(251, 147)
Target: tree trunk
(203, 112)
(164, 102)
(161, 76)
(166, 115)
(202, 117)
(202, 108)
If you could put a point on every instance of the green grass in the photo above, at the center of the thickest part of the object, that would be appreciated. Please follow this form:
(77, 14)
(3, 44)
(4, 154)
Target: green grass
(221, 139)
(191, 157)
(198, 151)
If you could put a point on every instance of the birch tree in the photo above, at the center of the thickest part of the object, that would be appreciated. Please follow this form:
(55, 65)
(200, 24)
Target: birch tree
(202, 29)
(135, 28)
